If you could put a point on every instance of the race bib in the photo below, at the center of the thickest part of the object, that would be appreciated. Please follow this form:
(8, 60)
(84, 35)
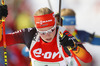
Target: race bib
(37, 63)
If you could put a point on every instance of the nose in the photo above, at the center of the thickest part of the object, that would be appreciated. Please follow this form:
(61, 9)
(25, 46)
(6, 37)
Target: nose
(47, 34)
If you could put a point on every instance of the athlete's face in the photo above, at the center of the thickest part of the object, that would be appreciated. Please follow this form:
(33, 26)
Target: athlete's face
(47, 33)
(70, 28)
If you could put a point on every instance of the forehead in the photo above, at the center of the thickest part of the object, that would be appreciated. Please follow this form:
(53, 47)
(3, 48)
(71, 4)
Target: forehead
(45, 29)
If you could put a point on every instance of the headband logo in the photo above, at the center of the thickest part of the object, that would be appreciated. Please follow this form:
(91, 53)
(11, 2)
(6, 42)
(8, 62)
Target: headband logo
(70, 19)
(41, 22)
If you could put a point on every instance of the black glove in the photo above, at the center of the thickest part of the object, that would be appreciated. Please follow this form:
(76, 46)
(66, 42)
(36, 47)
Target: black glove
(67, 41)
(3, 11)
(91, 37)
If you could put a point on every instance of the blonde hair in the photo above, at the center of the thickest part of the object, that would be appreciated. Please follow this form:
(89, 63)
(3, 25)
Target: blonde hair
(43, 11)
(67, 12)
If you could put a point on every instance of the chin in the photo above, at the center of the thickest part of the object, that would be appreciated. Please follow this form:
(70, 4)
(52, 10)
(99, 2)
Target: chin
(49, 40)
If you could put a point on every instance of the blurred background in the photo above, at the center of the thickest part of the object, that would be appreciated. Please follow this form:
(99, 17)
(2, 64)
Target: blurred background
(20, 15)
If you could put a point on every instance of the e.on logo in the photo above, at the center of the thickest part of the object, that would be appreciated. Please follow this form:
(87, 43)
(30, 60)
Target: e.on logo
(47, 55)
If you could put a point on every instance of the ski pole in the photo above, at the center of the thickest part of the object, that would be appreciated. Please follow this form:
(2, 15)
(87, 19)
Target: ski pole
(61, 34)
(4, 36)
(70, 49)
(60, 11)
(50, 4)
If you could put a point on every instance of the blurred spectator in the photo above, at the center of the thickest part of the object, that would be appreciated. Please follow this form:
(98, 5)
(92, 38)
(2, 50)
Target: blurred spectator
(17, 9)
(1, 57)
(24, 16)
(69, 22)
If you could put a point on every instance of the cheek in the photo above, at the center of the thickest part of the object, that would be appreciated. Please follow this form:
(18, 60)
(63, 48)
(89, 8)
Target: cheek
(66, 27)
(42, 36)
(73, 27)
(53, 34)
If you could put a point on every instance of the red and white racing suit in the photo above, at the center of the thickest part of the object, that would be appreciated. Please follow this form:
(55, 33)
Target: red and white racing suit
(42, 53)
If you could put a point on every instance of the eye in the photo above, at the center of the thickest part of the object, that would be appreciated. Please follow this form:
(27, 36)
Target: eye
(52, 30)
(43, 33)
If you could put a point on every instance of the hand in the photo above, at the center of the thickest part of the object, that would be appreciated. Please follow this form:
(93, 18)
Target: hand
(66, 41)
(3, 11)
